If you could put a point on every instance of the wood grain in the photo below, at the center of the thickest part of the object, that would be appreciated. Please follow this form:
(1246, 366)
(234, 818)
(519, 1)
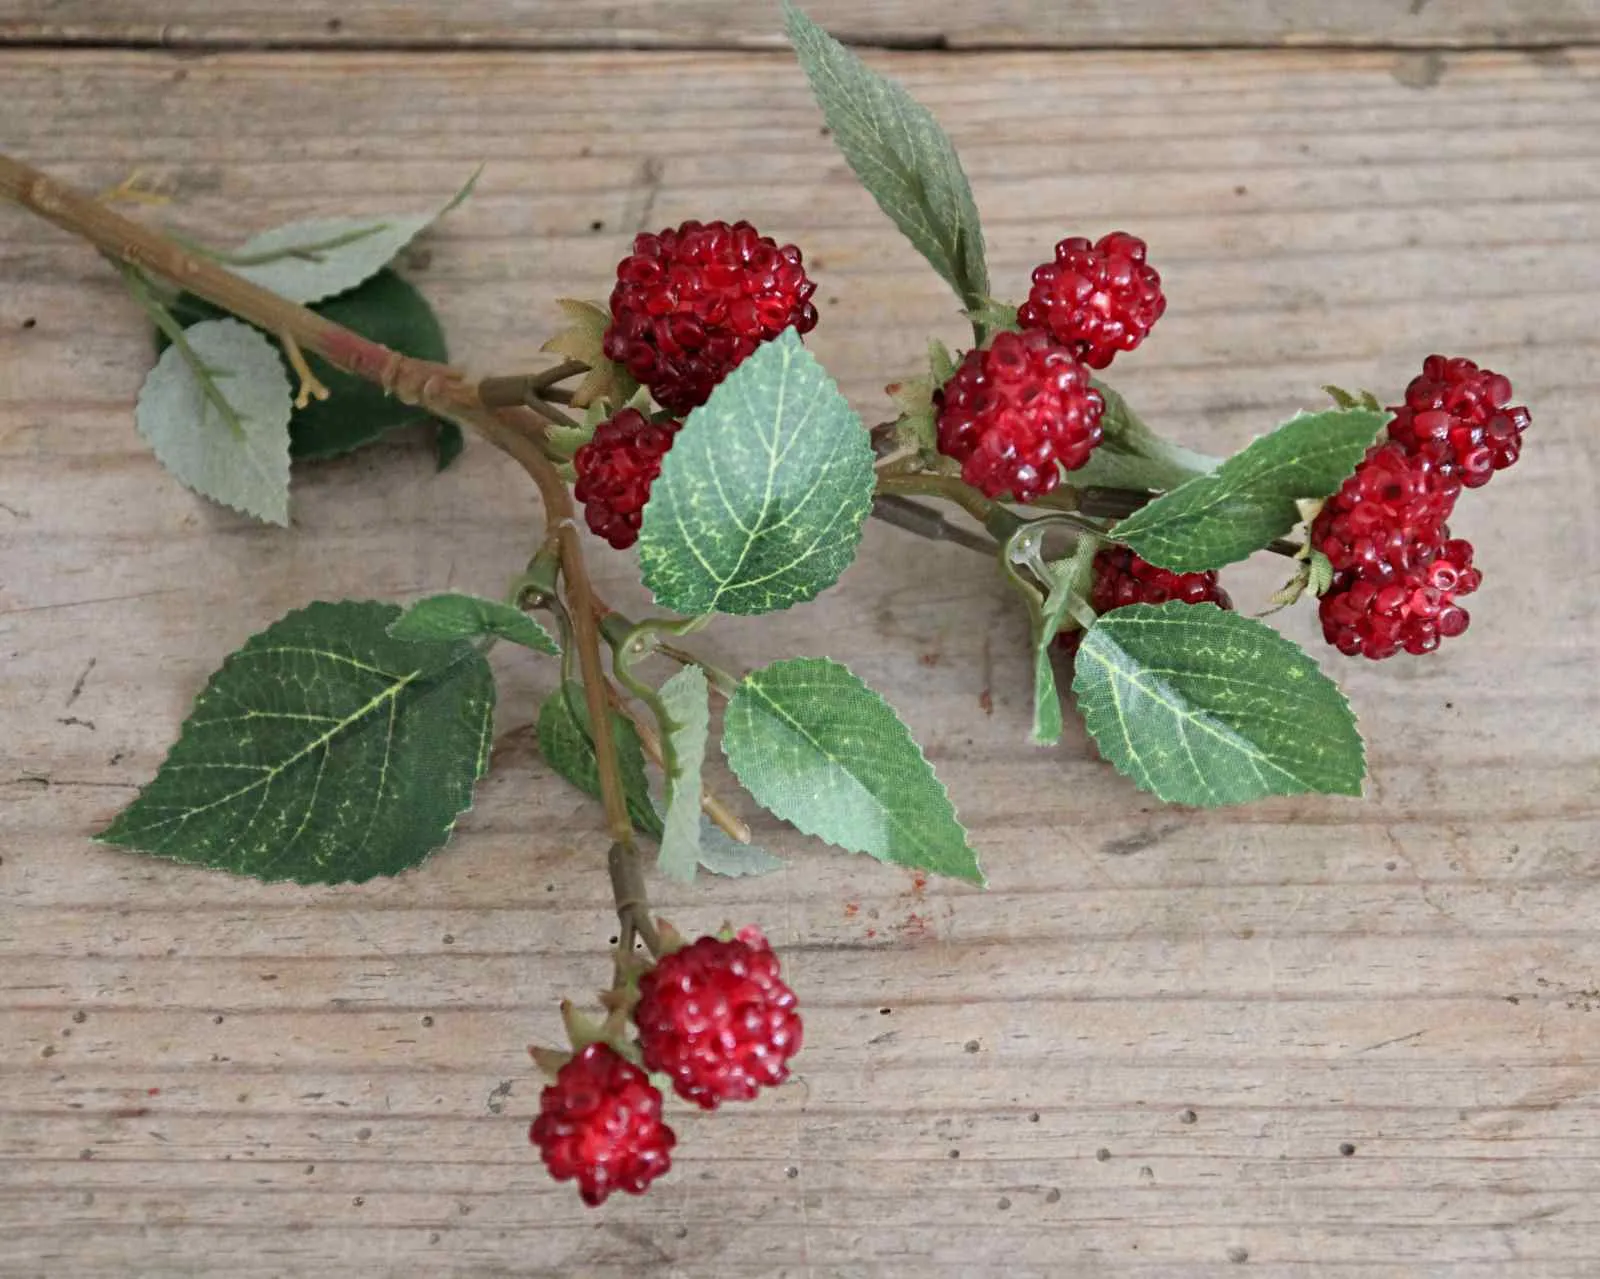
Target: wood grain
(954, 24)
(1310, 1036)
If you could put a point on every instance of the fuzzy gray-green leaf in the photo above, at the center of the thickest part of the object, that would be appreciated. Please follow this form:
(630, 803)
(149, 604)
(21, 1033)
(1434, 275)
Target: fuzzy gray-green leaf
(902, 156)
(565, 743)
(323, 751)
(451, 616)
(241, 462)
(821, 750)
(759, 505)
(686, 698)
(1251, 498)
(1204, 707)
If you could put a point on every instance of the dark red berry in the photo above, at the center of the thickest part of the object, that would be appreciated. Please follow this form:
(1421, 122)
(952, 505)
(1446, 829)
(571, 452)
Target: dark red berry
(1410, 611)
(717, 1017)
(1016, 413)
(615, 471)
(1122, 578)
(1389, 516)
(1096, 298)
(690, 304)
(1461, 418)
(600, 1121)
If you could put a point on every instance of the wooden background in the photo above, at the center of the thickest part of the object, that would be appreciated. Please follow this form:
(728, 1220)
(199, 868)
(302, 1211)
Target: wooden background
(1308, 1037)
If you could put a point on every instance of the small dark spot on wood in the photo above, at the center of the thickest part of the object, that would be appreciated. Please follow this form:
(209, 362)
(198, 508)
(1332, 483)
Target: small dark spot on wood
(30, 323)
(335, 25)
(433, 1236)
(1388, 865)
(680, 1232)
(1419, 70)
(884, 1012)
(66, 1032)
(1052, 1197)
(1449, 706)
(269, 976)
(597, 225)
(612, 941)
(585, 152)
(1003, 1204)
(549, 888)
(86, 1153)
(791, 1172)
(1241, 190)
(1346, 1149)
(1033, 1118)
(1147, 1172)
(359, 1200)
(49, 1050)
(1238, 1255)
(80, 1016)
(217, 1020)
(1187, 1117)
(1102, 1155)
(242, 1098)
(451, 941)
(824, 132)
(1417, 6)
(117, 758)
(1513, 999)
(955, 1154)
(972, 1045)
(427, 1020)
(362, 1134)
(310, 1168)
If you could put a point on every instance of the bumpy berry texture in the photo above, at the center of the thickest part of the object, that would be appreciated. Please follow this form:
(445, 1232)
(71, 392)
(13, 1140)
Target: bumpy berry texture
(1410, 611)
(615, 471)
(600, 1122)
(1014, 413)
(717, 1017)
(1097, 298)
(1461, 418)
(1122, 578)
(690, 304)
(1389, 516)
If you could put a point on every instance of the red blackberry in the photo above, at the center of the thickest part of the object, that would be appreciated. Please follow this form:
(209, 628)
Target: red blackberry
(1461, 418)
(1122, 578)
(1413, 610)
(1015, 412)
(1096, 298)
(691, 303)
(601, 1123)
(615, 471)
(1389, 516)
(717, 1017)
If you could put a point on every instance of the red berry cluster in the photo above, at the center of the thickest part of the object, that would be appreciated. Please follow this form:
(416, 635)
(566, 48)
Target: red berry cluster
(716, 1017)
(615, 471)
(1122, 578)
(1398, 572)
(690, 304)
(1019, 413)
(1014, 411)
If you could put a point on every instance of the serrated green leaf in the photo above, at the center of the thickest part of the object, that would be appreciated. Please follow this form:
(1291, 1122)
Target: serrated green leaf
(1203, 707)
(759, 505)
(1071, 579)
(243, 463)
(565, 743)
(1341, 397)
(1319, 573)
(584, 340)
(687, 699)
(312, 259)
(386, 309)
(723, 856)
(323, 751)
(1132, 456)
(1249, 500)
(901, 155)
(821, 750)
(453, 617)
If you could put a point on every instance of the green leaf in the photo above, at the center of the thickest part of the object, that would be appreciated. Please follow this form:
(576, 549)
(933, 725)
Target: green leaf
(447, 443)
(687, 699)
(321, 752)
(821, 750)
(723, 856)
(901, 155)
(759, 504)
(1132, 456)
(565, 743)
(453, 617)
(315, 258)
(1071, 579)
(243, 462)
(1250, 499)
(1319, 572)
(1204, 707)
(386, 309)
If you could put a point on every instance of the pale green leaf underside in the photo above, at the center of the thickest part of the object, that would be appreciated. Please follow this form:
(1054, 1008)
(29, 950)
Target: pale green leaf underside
(902, 156)
(1249, 500)
(724, 856)
(1203, 707)
(323, 751)
(821, 750)
(314, 258)
(244, 465)
(565, 743)
(452, 616)
(759, 505)
(687, 699)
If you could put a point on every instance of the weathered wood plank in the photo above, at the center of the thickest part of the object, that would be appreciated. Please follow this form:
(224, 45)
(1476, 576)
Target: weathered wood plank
(1026, 24)
(199, 1073)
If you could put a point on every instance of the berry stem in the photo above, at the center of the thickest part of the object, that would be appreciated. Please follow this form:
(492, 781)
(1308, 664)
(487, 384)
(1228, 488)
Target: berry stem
(524, 388)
